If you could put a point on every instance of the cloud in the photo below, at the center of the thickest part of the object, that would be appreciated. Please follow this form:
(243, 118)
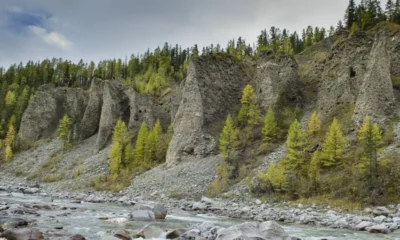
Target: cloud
(106, 29)
(52, 38)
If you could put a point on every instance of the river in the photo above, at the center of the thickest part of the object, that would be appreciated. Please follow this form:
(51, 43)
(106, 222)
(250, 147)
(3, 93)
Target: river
(84, 219)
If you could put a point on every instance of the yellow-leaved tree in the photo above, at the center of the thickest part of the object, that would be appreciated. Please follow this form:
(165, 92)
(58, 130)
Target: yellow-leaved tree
(314, 124)
(270, 128)
(295, 160)
(370, 139)
(334, 146)
(64, 131)
(119, 154)
(141, 147)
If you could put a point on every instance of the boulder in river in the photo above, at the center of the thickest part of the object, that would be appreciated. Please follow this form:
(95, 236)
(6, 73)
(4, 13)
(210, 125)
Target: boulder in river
(10, 222)
(160, 211)
(31, 190)
(175, 233)
(253, 230)
(122, 234)
(362, 225)
(381, 211)
(381, 228)
(77, 237)
(142, 215)
(149, 231)
(22, 234)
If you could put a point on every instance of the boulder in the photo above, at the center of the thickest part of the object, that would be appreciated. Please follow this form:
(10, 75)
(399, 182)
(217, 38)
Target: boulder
(118, 220)
(77, 237)
(253, 230)
(199, 206)
(31, 190)
(381, 211)
(122, 234)
(175, 233)
(363, 225)
(22, 234)
(11, 222)
(379, 219)
(160, 211)
(149, 231)
(142, 215)
(381, 228)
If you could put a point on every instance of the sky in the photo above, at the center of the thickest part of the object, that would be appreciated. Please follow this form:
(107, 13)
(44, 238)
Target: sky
(95, 30)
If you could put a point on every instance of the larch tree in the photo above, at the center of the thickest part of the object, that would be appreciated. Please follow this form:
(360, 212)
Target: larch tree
(370, 139)
(64, 131)
(270, 128)
(117, 154)
(8, 154)
(276, 175)
(228, 139)
(314, 124)
(295, 159)
(334, 146)
(141, 145)
(248, 99)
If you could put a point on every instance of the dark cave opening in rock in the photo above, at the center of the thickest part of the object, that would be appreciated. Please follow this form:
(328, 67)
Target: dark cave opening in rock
(352, 72)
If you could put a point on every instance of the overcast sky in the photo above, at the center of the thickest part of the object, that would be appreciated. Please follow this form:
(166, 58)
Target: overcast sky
(104, 29)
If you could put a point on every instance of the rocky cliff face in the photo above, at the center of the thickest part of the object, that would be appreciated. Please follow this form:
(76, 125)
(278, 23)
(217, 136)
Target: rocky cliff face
(276, 80)
(47, 107)
(211, 90)
(93, 111)
(343, 77)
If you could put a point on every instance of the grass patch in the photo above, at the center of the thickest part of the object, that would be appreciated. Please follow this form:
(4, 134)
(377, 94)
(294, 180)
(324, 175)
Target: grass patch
(175, 194)
(112, 183)
(78, 172)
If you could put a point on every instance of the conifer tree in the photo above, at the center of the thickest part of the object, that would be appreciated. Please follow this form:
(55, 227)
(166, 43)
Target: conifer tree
(228, 139)
(295, 159)
(315, 165)
(10, 137)
(10, 98)
(370, 138)
(333, 146)
(141, 145)
(276, 176)
(64, 131)
(270, 128)
(390, 9)
(8, 154)
(248, 95)
(118, 153)
(350, 14)
(314, 124)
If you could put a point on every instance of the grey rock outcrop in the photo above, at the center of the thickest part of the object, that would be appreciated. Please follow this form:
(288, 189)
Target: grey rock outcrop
(276, 80)
(49, 105)
(91, 112)
(212, 88)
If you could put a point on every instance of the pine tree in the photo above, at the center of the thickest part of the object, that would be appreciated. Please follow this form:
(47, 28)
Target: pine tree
(141, 145)
(228, 139)
(314, 124)
(370, 138)
(64, 131)
(390, 9)
(270, 129)
(295, 159)
(350, 14)
(10, 98)
(315, 166)
(333, 146)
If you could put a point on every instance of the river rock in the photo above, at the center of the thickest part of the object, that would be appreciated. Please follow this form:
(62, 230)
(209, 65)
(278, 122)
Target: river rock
(206, 226)
(253, 230)
(118, 220)
(199, 206)
(175, 233)
(77, 237)
(142, 215)
(378, 229)
(22, 234)
(94, 199)
(379, 219)
(122, 234)
(160, 211)
(381, 211)
(363, 225)
(31, 190)
(10, 222)
(149, 231)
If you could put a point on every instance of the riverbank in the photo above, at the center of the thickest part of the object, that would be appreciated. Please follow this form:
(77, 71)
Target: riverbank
(375, 220)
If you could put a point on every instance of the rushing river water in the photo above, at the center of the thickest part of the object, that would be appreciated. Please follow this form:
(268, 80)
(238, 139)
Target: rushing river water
(84, 219)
